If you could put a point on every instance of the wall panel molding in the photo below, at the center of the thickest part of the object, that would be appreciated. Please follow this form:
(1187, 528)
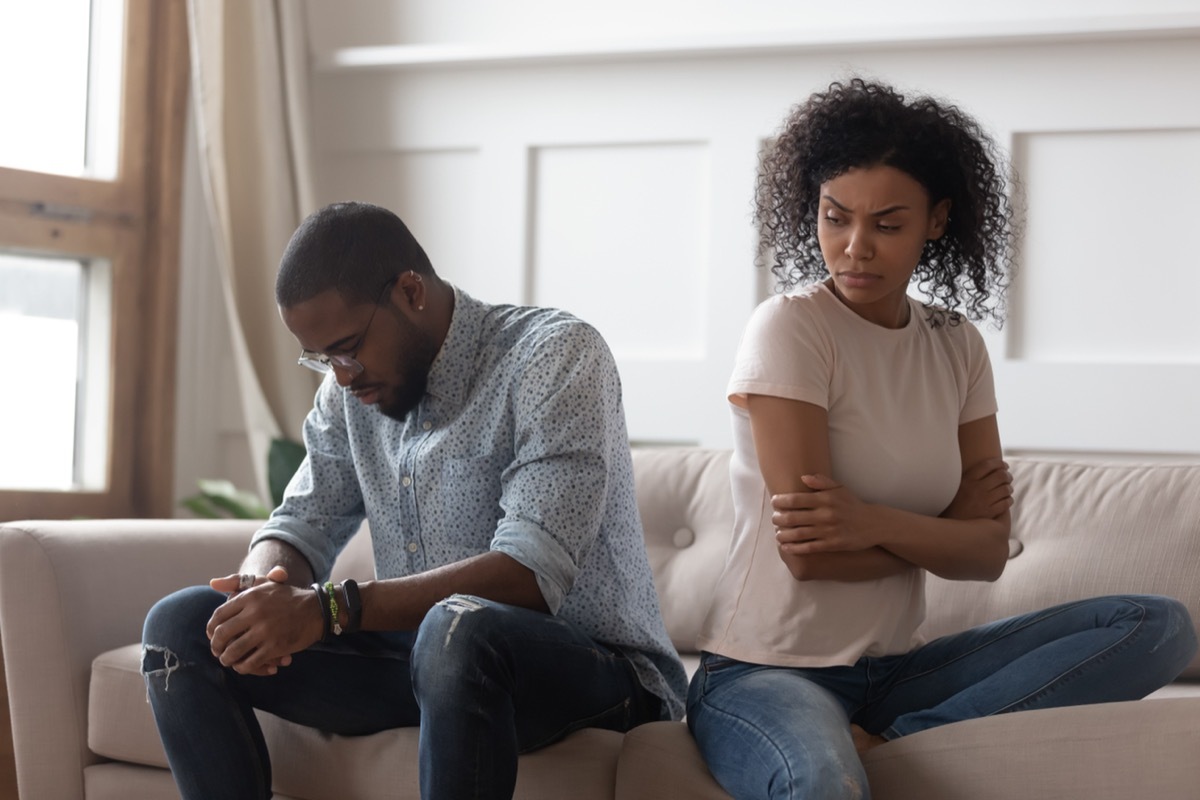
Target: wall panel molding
(1133, 27)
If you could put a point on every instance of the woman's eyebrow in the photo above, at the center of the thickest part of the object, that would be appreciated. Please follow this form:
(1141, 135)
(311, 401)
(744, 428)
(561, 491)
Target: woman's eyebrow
(881, 213)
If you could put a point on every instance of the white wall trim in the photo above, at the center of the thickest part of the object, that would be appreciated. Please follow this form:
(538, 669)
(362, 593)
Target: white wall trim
(1041, 31)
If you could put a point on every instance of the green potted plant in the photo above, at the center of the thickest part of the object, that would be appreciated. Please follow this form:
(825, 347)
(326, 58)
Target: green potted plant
(220, 498)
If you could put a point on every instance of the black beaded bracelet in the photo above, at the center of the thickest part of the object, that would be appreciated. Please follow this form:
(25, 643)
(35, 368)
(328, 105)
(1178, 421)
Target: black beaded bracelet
(353, 606)
(323, 602)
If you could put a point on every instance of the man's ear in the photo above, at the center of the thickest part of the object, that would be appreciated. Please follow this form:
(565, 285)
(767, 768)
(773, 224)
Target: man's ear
(409, 291)
(939, 216)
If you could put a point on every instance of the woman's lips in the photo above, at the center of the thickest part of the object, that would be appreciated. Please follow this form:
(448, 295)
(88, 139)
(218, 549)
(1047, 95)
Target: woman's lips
(857, 280)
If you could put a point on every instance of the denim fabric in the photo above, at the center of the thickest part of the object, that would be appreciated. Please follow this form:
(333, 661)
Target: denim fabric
(778, 732)
(485, 681)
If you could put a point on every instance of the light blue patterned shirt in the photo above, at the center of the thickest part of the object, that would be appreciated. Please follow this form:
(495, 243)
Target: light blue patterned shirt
(519, 446)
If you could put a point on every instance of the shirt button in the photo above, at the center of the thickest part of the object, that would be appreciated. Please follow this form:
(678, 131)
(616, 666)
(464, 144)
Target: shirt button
(427, 425)
(406, 481)
(412, 547)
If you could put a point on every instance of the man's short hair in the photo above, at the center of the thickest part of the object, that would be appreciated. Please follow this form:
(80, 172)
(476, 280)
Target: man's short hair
(354, 248)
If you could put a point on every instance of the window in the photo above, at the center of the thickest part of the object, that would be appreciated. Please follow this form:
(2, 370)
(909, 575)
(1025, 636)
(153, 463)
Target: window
(94, 97)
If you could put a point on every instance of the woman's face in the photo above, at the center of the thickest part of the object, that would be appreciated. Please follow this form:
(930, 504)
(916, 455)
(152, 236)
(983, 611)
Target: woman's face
(872, 224)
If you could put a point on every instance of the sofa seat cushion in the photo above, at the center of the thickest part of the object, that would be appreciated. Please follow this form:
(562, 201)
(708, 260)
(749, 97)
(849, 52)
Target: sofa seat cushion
(1177, 689)
(1060, 752)
(309, 763)
(120, 723)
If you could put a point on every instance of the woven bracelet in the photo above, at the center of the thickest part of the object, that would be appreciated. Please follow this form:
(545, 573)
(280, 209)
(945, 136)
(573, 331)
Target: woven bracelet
(323, 602)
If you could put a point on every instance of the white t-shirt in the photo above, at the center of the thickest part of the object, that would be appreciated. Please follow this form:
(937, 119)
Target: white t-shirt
(895, 399)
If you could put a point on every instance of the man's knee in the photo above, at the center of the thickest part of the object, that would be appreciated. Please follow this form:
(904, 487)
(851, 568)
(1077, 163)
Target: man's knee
(461, 638)
(451, 626)
(177, 622)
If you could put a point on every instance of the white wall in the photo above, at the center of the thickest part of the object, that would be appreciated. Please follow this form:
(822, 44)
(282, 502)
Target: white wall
(603, 162)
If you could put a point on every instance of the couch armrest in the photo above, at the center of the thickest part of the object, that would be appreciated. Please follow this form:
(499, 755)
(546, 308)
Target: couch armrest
(70, 590)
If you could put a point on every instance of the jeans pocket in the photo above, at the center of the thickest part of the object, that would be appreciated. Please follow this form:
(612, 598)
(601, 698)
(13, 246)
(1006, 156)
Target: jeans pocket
(713, 663)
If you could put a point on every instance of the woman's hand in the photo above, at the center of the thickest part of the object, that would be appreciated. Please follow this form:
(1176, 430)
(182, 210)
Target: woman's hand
(984, 493)
(828, 519)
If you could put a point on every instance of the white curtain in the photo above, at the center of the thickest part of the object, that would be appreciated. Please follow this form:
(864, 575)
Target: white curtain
(250, 86)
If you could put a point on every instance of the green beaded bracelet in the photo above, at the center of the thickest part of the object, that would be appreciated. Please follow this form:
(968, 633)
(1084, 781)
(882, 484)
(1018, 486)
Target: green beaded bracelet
(333, 609)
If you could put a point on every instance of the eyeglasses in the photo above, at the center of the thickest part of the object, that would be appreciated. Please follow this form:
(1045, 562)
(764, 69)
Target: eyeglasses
(343, 361)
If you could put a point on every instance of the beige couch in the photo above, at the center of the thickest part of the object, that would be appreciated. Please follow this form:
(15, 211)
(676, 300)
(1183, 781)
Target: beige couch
(73, 596)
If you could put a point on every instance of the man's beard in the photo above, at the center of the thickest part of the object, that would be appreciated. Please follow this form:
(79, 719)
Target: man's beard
(414, 367)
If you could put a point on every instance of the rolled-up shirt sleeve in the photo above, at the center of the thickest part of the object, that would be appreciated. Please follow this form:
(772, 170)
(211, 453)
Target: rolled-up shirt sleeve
(569, 424)
(323, 506)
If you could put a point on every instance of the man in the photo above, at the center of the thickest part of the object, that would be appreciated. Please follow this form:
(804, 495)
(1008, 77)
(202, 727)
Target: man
(513, 603)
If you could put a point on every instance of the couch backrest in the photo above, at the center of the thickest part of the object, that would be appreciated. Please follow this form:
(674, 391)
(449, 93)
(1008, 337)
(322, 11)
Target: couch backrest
(1079, 530)
(687, 513)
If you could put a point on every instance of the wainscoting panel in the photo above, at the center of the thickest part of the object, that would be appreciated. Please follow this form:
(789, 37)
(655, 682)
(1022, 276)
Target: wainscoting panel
(619, 185)
(1127, 300)
(619, 236)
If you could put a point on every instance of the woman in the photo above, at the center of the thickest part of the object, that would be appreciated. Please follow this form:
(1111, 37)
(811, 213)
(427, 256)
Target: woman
(866, 453)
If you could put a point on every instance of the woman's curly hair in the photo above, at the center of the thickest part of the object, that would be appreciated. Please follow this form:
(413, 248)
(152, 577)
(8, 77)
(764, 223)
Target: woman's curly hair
(862, 124)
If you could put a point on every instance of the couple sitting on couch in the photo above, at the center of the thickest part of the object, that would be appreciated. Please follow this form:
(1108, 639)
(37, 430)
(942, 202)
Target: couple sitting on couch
(486, 445)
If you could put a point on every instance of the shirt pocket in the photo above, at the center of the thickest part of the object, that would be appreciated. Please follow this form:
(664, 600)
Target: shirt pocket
(471, 490)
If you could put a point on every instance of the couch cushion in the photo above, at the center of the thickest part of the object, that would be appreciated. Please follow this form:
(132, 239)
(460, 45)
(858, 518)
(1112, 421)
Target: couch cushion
(308, 763)
(1086, 529)
(120, 723)
(1112, 751)
(686, 507)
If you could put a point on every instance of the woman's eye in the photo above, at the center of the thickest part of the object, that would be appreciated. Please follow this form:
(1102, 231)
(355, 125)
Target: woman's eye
(831, 218)
(888, 228)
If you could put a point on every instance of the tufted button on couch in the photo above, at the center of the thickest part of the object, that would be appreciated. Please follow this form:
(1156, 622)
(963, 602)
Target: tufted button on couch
(73, 595)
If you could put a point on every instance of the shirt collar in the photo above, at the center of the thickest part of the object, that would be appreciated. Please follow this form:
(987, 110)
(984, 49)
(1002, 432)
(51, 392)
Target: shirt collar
(450, 373)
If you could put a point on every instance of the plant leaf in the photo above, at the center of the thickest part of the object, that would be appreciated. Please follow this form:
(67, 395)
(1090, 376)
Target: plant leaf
(233, 501)
(199, 506)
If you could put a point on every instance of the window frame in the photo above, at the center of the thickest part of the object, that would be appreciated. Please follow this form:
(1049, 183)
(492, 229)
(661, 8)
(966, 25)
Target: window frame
(133, 221)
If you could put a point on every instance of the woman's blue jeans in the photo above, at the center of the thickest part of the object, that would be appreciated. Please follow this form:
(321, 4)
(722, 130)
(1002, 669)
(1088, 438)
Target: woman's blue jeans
(778, 732)
(484, 680)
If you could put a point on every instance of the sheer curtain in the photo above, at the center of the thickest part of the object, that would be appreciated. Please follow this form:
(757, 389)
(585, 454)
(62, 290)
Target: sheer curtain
(250, 87)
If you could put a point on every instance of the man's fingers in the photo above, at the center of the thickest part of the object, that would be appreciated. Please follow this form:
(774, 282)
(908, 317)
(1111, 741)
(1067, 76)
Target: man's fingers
(232, 584)
(223, 613)
(227, 584)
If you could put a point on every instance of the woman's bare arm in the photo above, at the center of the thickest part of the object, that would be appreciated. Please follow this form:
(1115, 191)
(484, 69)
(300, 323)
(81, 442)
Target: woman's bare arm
(833, 520)
(792, 440)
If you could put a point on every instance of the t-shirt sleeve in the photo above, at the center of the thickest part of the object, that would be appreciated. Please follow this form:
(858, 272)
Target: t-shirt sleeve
(980, 399)
(786, 351)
